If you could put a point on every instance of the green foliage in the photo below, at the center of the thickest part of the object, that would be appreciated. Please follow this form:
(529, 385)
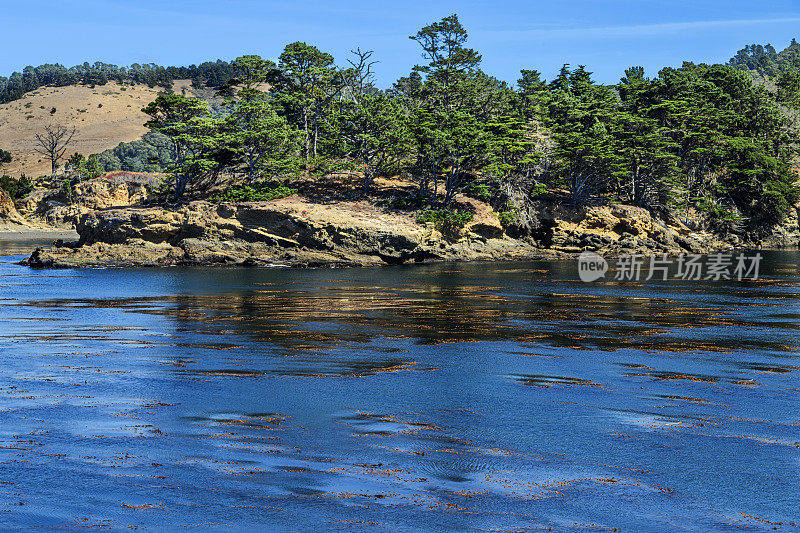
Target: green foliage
(304, 86)
(256, 138)
(323, 166)
(66, 189)
(194, 134)
(703, 136)
(258, 192)
(86, 168)
(455, 102)
(446, 221)
(374, 127)
(5, 157)
(211, 74)
(715, 210)
(789, 89)
(509, 217)
(581, 115)
(764, 61)
(154, 152)
(16, 188)
(479, 191)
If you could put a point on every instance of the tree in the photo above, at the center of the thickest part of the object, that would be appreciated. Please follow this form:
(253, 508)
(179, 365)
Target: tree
(531, 94)
(187, 122)
(649, 166)
(448, 59)
(376, 134)
(5, 157)
(252, 72)
(457, 101)
(86, 168)
(581, 116)
(789, 89)
(53, 142)
(305, 84)
(517, 155)
(260, 139)
(371, 123)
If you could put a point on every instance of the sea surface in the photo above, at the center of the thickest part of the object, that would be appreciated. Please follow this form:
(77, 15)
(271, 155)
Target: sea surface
(442, 397)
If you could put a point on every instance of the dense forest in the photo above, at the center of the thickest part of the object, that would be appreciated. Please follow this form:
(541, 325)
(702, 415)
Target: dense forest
(209, 74)
(764, 61)
(706, 138)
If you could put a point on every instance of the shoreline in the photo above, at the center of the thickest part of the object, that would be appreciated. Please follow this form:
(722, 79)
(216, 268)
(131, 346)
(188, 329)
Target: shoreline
(10, 235)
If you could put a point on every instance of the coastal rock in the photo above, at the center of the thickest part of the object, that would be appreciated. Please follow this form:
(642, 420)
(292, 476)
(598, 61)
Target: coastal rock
(786, 234)
(621, 229)
(52, 206)
(292, 231)
(9, 217)
(296, 231)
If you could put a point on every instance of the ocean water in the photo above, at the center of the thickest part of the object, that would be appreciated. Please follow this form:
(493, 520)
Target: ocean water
(443, 397)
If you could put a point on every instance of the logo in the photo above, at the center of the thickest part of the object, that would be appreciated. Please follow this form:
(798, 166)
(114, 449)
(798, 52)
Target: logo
(591, 266)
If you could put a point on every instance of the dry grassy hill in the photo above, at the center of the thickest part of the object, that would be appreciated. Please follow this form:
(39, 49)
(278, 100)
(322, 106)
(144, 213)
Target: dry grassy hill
(104, 116)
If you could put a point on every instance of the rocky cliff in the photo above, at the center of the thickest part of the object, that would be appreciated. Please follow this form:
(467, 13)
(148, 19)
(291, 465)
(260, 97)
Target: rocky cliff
(10, 219)
(297, 232)
(51, 205)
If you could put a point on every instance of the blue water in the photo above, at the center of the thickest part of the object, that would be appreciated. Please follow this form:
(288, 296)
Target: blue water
(448, 397)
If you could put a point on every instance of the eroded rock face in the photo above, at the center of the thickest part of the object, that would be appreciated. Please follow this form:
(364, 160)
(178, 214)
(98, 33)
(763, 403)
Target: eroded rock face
(289, 231)
(9, 217)
(51, 206)
(622, 229)
(787, 234)
(295, 231)
(102, 194)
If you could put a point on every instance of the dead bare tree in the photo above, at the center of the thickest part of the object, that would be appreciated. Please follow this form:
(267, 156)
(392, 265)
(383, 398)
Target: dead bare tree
(53, 142)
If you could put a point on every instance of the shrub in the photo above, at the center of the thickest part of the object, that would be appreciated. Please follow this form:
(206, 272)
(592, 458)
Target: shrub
(478, 191)
(259, 192)
(509, 217)
(446, 221)
(66, 188)
(16, 188)
(715, 210)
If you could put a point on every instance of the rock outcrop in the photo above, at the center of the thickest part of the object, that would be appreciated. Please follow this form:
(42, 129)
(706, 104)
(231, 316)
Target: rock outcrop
(9, 216)
(292, 232)
(51, 206)
(621, 229)
(296, 231)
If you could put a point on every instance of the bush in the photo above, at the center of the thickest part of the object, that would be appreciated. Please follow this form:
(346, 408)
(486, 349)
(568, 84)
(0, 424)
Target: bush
(509, 217)
(259, 192)
(66, 188)
(716, 211)
(16, 188)
(446, 221)
(478, 191)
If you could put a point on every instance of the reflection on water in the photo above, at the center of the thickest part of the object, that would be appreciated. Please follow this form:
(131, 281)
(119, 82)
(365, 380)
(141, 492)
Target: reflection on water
(501, 397)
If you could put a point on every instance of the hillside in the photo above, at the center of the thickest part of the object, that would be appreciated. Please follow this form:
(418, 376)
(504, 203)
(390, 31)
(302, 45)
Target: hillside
(104, 117)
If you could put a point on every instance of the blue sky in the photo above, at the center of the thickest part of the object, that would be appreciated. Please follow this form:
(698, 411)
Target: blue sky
(606, 36)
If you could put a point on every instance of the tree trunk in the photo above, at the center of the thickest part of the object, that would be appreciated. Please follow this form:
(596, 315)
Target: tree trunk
(316, 132)
(305, 129)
